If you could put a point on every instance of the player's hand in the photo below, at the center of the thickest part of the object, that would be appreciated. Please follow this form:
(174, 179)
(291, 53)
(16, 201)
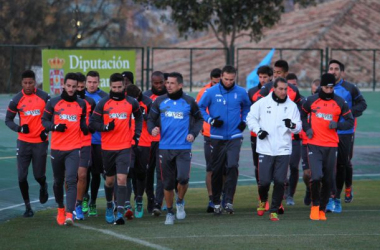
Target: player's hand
(215, 122)
(61, 127)
(85, 130)
(44, 135)
(289, 123)
(309, 133)
(190, 138)
(262, 134)
(24, 129)
(110, 126)
(333, 125)
(242, 125)
(156, 131)
(136, 139)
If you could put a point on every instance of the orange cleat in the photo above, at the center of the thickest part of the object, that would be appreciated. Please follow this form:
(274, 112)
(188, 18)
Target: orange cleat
(314, 213)
(322, 215)
(281, 209)
(61, 216)
(69, 221)
(266, 206)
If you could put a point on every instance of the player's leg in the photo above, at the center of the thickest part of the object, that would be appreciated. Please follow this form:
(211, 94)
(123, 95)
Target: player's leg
(294, 172)
(58, 166)
(167, 167)
(218, 161)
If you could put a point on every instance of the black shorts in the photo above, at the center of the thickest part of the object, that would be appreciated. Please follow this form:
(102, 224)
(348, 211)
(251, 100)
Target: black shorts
(344, 149)
(96, 166)
(207, 150)
(174, 165)
(116, 161)
(85, 157)
(305, 159)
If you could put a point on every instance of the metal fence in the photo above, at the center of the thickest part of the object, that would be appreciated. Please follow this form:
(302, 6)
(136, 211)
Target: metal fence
(196, 63)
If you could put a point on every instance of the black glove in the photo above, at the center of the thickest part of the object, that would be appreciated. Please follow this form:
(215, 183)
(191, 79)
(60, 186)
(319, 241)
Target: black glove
(61, 127)
(333, 125)
(136, 139)
(309, 133)
(296, 137)
(110, 126)
(216, 123)
(91, 130)
(24, 129)
(262, 134)
(85, 130)
(242, 125)
(289, 123)
(44, 135)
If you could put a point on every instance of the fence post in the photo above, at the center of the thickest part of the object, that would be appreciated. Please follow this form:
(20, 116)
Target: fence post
(374, 70)
(142, 69)
(147, 67)
(321, 68)
(327, 59)
(10, 71)
(191, 70)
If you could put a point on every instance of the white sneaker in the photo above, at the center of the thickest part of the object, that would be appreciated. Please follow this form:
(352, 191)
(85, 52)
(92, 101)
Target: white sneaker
(169, 219)
(181, 214)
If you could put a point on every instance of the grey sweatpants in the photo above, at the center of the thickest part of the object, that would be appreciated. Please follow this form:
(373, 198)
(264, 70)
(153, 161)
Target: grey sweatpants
(65, 169)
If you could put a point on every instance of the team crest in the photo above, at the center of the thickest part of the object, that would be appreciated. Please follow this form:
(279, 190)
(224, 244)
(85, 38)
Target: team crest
(56, 75)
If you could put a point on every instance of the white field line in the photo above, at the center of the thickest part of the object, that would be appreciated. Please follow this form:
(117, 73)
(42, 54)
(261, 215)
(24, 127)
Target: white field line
(122, 237)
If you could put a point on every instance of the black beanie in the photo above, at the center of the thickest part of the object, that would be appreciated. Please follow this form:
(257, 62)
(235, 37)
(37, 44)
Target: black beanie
(328, 80)
(128, 75)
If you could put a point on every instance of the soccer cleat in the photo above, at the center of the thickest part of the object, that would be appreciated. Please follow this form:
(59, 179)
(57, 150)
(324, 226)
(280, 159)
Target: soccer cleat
(78, 213)
(28, 213)
(110, 218)
(314, 213)
(261, 208)
(273, 217)
(61, 216)
(128, 212)
(139, 210)
(266, 206)
(330, 206)
(337, 206)
(85, 205)
(93, 212)
(281, 209)
(157, 210)
(290, 201)
(229, 208)
(181, 214)
(150, 205)
(169, 219)
(69, 221)
(349, 196)
(307, 199)
(217, 210)
(44, 196)
(322, 215)
(210, 207)
(119, 219)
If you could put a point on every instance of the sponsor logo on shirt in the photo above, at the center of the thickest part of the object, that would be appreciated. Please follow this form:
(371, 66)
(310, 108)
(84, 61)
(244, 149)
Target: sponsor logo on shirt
(175, 115)
(70, 118)
(35, 112)
(326, 117)
(120, 116)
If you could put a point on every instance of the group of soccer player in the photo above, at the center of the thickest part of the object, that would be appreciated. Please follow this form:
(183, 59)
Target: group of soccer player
(128, 136)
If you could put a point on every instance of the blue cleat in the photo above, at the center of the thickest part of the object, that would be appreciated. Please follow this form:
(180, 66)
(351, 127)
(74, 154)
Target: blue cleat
(119, 219)
(330, 206)
(110, 218)
(139, 210)
(78, 213)
(210, 207)
(338, 206)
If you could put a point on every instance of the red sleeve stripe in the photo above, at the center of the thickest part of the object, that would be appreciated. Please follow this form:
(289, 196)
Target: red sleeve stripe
(12, 111)
(47, 111)
(349, 111)
(97, 113)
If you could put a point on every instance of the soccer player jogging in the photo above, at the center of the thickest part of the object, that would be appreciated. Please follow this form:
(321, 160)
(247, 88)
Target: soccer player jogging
(140, 152)
(155, 201)
(112, 117)
(32, 142)
(176, 117)
(351, 94)
(214, 79)
(85, 150)
(96, 167)
(325, 109)
(228, 106)
(274, 118)
(265, 74)
(65, 116)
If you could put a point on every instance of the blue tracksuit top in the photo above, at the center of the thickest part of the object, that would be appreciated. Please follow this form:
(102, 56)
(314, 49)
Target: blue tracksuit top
(97, 96)
(231, 106)
(351, 94)
(176, 119)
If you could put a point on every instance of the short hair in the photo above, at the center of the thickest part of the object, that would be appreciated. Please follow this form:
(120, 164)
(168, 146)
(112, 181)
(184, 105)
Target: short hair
(166, 75)
(341, 65)
(215, 73)
(133, 91)
(316, 82)
(229, 69)
(282, 64)
(81, 77)
(279, 79)
(265, 69)
(28, 74)
(291, 76)
(116, 77)
(176, 75)
(93, 74)
(71, 76)
(128, 75)
(158, 73)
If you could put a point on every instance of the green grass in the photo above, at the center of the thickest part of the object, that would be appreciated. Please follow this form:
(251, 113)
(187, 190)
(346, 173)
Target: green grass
(356, 227)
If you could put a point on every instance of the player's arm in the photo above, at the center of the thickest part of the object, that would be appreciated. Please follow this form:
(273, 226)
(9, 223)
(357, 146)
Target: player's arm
(305, 111)
(153, 118)
(359, 104)
(296, 119)
(349, 121)
(198, 120)
(83, 125)
(203, 104)
(10, 116)
(253, 118)
(96, 119)
(138, 119)
(47, 117)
